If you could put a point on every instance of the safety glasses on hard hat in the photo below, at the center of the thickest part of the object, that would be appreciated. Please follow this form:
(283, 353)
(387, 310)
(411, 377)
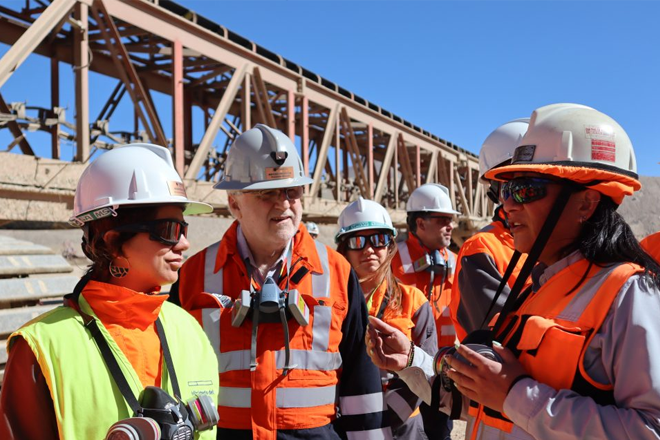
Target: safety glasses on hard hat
(525, 189)
(167, 230)
(377, 240)
(273, 195)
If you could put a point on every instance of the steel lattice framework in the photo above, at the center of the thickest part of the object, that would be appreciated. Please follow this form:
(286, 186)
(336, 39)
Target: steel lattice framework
(218, 85)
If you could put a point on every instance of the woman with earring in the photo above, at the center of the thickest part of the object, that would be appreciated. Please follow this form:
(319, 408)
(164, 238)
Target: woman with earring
(117, 350)
(576, 352)
(366, 239)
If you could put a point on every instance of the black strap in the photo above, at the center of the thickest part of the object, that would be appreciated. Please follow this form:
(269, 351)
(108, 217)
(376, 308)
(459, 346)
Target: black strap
(535, 252)
(383, 306)
(505, 279)
(168, 358)
(112, 364)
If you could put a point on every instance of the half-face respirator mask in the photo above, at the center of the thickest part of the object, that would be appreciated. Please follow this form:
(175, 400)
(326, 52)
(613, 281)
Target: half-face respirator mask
(270, 304)
(162, 417)
(432, 262)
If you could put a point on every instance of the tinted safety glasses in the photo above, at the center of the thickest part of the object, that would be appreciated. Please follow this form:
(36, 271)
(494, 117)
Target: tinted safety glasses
(525, 189)
(167, 231)
(377, 240)
(273, 195)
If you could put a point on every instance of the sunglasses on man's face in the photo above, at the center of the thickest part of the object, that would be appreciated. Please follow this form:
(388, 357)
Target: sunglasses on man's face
(273, 195)
(377, 240)
(525, 189)
(167, 230)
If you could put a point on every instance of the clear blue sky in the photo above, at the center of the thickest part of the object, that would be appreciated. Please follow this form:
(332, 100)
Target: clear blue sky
(456, 68)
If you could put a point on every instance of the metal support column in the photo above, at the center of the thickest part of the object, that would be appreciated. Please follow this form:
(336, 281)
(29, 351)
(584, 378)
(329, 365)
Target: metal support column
(177, 105)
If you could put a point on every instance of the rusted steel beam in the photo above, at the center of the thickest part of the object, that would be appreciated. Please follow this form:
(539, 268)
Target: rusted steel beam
(128, 74)
(15, 130)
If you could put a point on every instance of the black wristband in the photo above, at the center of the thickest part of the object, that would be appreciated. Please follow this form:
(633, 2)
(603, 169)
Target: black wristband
(516, 380)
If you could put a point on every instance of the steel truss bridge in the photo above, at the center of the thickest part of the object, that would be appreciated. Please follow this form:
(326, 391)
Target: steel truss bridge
(216, 85)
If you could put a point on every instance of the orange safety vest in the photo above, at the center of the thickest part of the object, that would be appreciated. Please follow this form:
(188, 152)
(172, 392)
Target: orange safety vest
(411, 300)
(651, 245)
(265, 400)
(551, 332)
(403, 266)
(496, 241)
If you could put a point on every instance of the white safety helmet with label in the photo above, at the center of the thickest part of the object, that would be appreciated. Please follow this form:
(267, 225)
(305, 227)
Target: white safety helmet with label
(499, 146)
(430, 197)
(577, 143)
(134, 174)
(262, 158)
(363, 214)
(312, 228)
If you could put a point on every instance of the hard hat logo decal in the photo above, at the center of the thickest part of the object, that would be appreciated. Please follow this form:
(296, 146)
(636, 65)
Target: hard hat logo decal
(603, 150)
(524, 153)
(279, 173)
(176, 188)
(279, 156)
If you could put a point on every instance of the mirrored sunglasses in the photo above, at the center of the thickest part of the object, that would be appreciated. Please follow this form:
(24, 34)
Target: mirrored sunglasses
(525, 189)
(273, 195)
(167, 231)
(377, 240)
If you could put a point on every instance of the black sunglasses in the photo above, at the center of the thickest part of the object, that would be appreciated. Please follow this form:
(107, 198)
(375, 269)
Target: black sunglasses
(378, 240)
(525, 189)
(166, 230)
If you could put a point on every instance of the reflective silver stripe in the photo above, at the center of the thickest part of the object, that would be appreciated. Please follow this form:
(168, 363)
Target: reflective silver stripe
(234, 361)
(235, 397)
(321, 328)
(211, 324)
(398, 404)
(404, 253)
(588, 290)
(305, 397)
(321, 282)
(451, 262)
(372, 434)
(362, 404)
(212, 281)
(310, 360)
(446, 330)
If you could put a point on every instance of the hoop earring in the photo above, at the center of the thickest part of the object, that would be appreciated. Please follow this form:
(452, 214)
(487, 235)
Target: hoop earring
(117, 270)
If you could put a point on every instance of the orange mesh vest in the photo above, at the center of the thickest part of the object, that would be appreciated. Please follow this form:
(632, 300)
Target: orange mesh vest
(265, 400)
(403, 266)
(551, 331)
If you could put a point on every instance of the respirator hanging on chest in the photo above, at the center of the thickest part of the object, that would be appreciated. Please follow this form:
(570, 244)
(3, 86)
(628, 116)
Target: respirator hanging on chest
(432, 262)
(269, 300)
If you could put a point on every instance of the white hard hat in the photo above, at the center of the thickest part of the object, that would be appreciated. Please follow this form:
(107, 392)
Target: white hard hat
(577, 143)
(312, 228)
(134, 174)
(363, 214)
(499, 146)
(262, 158)
(430, 197)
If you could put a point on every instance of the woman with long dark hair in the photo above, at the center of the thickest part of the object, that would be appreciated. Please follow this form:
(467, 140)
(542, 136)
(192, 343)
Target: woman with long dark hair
(575, 355)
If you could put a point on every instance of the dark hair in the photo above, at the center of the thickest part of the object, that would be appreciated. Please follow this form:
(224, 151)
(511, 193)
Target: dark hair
(607, 238)
(411, 220)
(384, 272)
(102, 253)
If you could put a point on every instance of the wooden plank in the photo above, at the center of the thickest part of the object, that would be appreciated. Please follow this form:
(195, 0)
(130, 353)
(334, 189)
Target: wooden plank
(12, 319)
(25, 289)
(33, 264)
